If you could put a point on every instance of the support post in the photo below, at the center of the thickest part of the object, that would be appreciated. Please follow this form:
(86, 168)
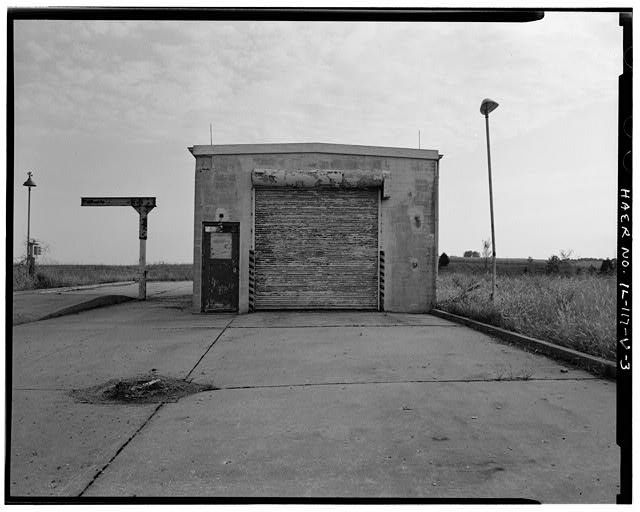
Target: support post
(30, 258)
(493, 232)
(142, 282)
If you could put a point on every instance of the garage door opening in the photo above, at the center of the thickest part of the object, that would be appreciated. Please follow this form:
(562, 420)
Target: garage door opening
(316, 248)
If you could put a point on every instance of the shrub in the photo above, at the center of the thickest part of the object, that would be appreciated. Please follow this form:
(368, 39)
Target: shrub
(443, 261)
(607, 266)
(21, 279)
(553, 265)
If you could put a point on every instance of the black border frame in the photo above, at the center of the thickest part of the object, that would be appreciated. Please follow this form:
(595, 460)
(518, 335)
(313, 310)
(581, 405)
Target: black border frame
(466, 15)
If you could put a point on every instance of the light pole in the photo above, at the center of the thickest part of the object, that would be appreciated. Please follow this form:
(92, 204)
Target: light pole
(486, 107)
(30, 263)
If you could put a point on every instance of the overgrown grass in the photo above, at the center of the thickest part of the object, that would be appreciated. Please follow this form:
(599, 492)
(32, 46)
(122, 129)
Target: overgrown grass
(578, 312)
(56, 276)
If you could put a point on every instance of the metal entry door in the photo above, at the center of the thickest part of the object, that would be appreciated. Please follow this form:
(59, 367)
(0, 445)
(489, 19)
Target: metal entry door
(220, 255)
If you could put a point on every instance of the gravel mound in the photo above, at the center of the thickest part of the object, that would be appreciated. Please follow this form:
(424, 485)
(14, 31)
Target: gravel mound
(144, 389)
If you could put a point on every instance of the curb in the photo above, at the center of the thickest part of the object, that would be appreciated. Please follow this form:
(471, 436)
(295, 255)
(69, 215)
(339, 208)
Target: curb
(593, 364)
(98, 302)
(74, 288)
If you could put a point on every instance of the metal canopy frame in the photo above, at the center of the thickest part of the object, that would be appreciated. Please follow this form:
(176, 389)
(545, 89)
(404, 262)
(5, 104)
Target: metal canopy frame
(143, 205)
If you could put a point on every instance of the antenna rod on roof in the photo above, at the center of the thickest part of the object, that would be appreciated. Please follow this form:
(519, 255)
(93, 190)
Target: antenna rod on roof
(210, 135)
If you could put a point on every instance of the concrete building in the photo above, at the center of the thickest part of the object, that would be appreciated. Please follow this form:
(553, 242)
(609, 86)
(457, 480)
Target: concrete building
(315, 226)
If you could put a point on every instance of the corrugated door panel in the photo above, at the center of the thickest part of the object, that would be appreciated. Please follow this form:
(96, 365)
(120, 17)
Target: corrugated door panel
(316, 249)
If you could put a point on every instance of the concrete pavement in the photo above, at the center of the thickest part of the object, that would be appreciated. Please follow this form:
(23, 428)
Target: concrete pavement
(325, 404)
(33, 305)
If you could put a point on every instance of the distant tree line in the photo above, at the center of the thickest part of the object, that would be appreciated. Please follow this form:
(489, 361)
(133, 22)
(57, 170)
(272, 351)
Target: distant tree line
(560, 265)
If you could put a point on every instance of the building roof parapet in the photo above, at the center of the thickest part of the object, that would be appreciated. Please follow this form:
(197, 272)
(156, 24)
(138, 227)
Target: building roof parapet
(315, 147)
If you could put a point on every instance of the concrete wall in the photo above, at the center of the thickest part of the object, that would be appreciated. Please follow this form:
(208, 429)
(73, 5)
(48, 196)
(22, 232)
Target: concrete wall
(408, 217)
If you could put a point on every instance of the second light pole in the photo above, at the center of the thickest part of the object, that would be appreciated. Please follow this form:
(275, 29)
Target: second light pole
(30, 257)
(486, 107)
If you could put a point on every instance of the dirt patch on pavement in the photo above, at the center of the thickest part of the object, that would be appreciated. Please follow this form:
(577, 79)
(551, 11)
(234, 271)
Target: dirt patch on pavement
(145, 389)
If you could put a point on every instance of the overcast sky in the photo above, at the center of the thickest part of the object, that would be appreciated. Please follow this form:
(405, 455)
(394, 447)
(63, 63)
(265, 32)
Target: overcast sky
(109, 108)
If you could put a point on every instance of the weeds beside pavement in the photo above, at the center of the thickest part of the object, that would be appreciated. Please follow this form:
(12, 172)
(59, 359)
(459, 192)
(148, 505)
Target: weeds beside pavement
(578, 312)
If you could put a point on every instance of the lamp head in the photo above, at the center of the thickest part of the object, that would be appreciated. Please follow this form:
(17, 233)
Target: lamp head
(29, 183)
(488, 106)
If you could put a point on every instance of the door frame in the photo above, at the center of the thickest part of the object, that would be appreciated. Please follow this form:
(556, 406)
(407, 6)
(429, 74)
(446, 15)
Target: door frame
(227, 227)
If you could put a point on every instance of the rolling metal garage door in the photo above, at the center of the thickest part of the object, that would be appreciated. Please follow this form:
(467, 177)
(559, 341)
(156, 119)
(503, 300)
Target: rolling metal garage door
(316, 248)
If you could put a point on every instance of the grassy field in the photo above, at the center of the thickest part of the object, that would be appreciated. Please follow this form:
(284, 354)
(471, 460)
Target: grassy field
(577, 312)
(56, 276)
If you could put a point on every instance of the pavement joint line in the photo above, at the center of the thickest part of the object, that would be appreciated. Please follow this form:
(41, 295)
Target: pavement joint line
(97, 475)
(341, 325)
(209, 348)
(41, 389)
(310, 384)
(418, 381)
(207, 327)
